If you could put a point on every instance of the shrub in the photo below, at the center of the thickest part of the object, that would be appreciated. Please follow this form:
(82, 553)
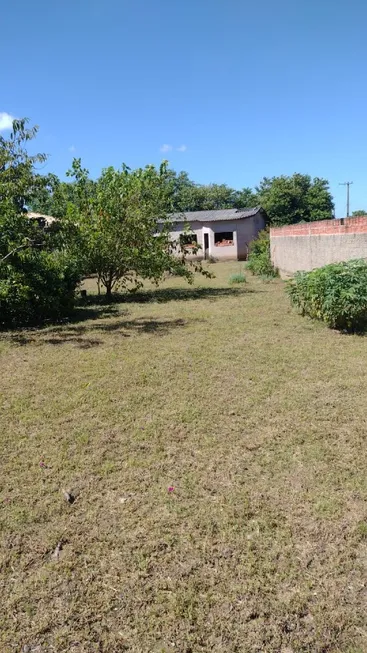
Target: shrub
(239, 277)
(335, 294)
(259, 257)
(39, 286)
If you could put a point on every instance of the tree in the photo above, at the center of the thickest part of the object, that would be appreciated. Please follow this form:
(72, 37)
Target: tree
(213, 197)
(181, 191)
(288, 200)
(360, 212)
(17, 183)
(245, 199)
(17, 176)
(188, 196)
(37, 276)
(124, 226)
(53, 197)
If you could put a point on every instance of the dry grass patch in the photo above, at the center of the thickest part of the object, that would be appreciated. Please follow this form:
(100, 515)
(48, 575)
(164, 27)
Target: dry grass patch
(254, 416)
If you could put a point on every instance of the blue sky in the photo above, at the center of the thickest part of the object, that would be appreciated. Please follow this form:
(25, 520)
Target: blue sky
(235, 90)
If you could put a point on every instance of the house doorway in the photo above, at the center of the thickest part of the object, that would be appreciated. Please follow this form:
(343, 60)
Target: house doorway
(206, 246)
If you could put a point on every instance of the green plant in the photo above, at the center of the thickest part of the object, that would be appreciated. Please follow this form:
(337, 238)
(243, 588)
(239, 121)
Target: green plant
(38, 275)
(335, 294)
(298, 198)
(37, 286)
(259, 257)
(238, 277)
(361, 531)
(125, 227)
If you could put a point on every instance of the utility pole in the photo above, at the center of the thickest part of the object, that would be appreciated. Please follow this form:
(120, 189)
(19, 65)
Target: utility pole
(347, 184)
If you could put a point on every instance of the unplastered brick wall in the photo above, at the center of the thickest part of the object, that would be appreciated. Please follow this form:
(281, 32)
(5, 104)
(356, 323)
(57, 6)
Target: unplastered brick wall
(314, 244)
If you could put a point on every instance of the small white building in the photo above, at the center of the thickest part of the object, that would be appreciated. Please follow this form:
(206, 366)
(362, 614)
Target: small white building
(224, 234)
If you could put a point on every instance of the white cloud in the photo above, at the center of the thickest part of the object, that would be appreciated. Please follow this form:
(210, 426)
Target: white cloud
(182, 148)
(72, 148)
(166, 148)
(6, 121)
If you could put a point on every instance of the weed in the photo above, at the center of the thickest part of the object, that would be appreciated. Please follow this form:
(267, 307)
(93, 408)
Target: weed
(238, 277)
(361, 530)
(259, 262)
(335, 294)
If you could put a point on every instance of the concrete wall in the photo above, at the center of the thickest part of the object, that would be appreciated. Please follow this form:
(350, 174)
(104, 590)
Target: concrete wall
(247, 232)
(312, 245)
(224, 253)
(197, 229)
(244, 231)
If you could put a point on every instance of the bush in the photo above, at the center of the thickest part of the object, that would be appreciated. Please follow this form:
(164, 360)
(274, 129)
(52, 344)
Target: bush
(259, 257)
(36, 287)
(335, 294)
(239, 277)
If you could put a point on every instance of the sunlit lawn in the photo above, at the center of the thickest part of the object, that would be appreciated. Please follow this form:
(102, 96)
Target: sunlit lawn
(215, 444)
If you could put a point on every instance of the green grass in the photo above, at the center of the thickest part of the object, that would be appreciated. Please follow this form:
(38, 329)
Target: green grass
(254, 415)
(237, 277)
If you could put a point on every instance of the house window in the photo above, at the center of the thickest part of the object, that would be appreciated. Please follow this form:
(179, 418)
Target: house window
(223, 239)
(188, 240)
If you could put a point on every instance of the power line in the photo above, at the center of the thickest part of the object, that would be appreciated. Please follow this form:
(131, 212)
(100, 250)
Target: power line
(347, 184)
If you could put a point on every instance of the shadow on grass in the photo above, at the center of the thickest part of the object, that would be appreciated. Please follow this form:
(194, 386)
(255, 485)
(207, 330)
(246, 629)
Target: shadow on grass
(94, 307)
(79, 335)
(162, 295)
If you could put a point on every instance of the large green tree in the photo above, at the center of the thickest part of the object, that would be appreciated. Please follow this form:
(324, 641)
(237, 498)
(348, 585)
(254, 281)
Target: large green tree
(298, 198)
(189, 196)
(359, 213)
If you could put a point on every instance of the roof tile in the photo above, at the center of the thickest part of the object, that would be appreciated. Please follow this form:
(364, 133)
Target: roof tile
(214, 216)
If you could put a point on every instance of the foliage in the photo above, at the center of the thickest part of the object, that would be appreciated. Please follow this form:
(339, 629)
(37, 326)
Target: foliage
(237, 278)
(17, 178)
(185, 195)
(259, 256)
(245, 199)
(359, 213)
(38, 287)
(124, 227)
(335, 294)
(53, 197)
(288, 200)
(37, 276)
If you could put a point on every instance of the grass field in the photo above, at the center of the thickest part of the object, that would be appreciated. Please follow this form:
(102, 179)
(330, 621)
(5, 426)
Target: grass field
(215, 445)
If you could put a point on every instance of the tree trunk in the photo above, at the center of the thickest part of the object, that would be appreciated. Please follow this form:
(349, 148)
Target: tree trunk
(108, 281)
(109, 290)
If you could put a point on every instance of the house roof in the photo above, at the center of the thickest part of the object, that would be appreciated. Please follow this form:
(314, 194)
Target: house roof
(41, 216)
(215, 216)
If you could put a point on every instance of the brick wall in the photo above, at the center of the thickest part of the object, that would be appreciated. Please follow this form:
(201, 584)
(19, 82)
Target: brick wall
(313, 244)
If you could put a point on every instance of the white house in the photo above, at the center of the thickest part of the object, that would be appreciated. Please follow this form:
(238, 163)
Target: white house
(223, 234)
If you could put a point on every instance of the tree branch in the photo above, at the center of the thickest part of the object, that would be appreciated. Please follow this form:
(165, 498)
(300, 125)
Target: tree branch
(17, 249)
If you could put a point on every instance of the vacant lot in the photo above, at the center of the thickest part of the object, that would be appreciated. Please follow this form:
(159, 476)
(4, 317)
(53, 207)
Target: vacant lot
(214, 444)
